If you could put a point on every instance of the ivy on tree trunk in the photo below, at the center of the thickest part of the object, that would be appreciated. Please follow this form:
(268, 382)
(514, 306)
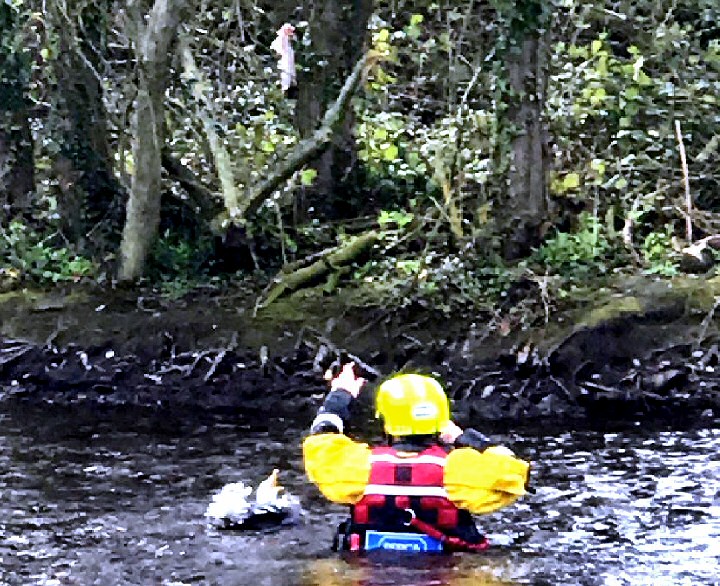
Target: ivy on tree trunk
(16, 146)
(338, 33)
(84, 157)
(526, 206)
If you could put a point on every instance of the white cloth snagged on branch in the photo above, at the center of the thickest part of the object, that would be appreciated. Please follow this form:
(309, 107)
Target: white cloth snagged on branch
(283, 47)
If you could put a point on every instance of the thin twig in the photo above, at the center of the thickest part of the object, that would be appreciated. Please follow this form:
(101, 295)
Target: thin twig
(62, 10)
(686, 181)
(705, 323)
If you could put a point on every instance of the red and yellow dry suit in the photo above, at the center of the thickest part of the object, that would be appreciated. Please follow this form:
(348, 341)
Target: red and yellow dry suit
(481, 482)
(443, 488)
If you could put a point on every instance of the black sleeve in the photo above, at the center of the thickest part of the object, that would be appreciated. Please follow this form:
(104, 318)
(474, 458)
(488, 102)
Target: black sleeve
(472, 438)
(334, 414)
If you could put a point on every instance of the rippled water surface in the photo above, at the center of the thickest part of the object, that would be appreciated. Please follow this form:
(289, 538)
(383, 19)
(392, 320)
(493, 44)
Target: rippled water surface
(117, 498)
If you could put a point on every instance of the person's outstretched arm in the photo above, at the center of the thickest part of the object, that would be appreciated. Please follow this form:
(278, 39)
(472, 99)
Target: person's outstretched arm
(339, 466)
(333, 416)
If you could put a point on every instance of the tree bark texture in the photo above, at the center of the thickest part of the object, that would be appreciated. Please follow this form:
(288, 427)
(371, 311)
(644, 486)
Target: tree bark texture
(154, 42)
(84, 160)
(526, 207)
(201, 199)
(17, 175)
(339, 34)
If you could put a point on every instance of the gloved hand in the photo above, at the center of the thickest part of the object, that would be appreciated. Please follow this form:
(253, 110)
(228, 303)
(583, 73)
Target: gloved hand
(347, 380)
(450, 432)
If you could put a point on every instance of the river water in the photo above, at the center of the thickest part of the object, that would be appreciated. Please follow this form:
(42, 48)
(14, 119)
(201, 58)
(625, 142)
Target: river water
(117, 497)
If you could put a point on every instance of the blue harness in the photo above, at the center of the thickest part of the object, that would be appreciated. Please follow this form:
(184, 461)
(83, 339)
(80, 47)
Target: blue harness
(395, 541)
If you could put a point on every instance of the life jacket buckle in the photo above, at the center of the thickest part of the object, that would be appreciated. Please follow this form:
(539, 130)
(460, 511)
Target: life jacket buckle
(411, 518)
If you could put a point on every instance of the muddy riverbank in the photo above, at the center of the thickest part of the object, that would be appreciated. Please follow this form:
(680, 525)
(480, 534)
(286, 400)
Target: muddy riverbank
(652, 350)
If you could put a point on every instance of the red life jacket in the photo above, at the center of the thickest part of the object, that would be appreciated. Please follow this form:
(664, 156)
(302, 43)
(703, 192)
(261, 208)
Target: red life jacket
(400, 481)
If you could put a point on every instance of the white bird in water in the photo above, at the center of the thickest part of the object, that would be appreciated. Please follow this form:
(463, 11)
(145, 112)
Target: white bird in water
(232, 508)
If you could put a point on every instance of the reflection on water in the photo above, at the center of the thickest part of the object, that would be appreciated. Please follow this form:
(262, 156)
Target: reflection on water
(430, 570)
(116, 498)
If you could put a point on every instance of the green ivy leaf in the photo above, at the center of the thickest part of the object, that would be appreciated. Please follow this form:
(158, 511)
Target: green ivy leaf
(598, 165)
(307, 176)
(571, 181)
(390, 153)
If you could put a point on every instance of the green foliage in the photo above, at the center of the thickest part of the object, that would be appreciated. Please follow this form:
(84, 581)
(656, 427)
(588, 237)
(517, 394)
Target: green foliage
(396, 218)
(522, 17)
(612, 103)
(307, 176)
(175, 256)
(659, 254)
(178, 264)
(431, 131)
(34, 258)
(382, 137)
(446, 282)
(586, 250)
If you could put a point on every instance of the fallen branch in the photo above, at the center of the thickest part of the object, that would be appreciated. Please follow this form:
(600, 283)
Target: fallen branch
(602, 390)
(9, 355)
(328, 346)
(334, 260)
(220, 357)
(705, 323)
(712, 354)
(561, 385)
(698, 257)
(712, 241)
(710, 148)
(628, 230)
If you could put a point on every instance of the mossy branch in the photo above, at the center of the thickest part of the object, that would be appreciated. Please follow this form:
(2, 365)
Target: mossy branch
(334, 260)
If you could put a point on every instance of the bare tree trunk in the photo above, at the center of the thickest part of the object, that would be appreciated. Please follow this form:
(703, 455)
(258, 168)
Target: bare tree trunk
(17, 164)
(526, 207)
(154, 41)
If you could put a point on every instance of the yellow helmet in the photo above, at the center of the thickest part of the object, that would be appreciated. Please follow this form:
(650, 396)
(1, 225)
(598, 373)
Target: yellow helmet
(412, 404)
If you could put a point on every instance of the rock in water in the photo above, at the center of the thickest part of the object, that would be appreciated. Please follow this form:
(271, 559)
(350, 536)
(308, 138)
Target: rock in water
(232, 507)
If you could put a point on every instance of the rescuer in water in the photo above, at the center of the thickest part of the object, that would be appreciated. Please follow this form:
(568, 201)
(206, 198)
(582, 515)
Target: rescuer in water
(418, 492)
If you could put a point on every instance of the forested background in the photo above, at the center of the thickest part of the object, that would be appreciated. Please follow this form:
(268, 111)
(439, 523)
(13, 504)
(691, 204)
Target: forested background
(434, 150)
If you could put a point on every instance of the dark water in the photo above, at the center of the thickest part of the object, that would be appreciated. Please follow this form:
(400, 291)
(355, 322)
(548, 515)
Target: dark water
(118, 498)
